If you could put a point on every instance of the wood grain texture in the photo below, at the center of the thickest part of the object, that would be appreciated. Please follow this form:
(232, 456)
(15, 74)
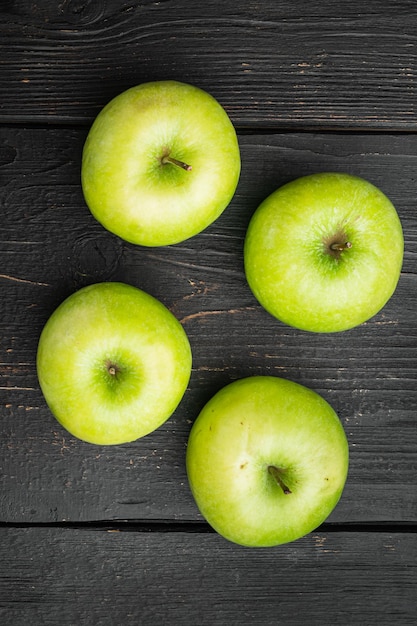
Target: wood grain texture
(51, 246)
(310, 64)
(53, 577)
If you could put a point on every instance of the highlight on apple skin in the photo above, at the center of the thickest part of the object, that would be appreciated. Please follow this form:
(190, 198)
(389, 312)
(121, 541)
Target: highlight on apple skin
(161, 162)
(324, 252)
(267, 461)
(113, 363)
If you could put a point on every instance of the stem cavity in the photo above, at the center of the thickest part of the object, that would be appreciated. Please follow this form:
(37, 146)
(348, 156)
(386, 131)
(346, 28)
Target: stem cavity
(337, 244)
(277, 474)
(112, 369)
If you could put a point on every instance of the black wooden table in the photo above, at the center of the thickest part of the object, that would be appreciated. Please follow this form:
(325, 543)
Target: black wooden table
(111, 535)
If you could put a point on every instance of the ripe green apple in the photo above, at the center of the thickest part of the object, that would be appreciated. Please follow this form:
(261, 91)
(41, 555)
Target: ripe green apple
(267, 460)
(161, 162)
(113, 363)
(324, 253)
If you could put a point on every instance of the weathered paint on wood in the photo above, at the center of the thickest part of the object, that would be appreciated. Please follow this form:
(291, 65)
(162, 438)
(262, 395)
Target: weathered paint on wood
(55, 576)
(310, 63)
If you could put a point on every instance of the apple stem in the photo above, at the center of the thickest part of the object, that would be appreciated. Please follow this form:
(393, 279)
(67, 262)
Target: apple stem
(168, 159)
(340, 246)
(112, 369)
(276, 473)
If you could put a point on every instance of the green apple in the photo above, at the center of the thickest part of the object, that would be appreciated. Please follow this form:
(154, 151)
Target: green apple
(113, 363)
(324, 253)
(267, 461)
(161, 162)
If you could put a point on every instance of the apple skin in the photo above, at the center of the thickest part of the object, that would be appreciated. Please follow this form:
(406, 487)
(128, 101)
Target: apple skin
(291, 270)
(249, 425)
(127, 187)
(105, 326)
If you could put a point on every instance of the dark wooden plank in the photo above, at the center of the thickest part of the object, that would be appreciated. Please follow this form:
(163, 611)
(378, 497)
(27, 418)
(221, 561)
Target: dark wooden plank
(50, 245)
(276, 64)
(72, 577)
